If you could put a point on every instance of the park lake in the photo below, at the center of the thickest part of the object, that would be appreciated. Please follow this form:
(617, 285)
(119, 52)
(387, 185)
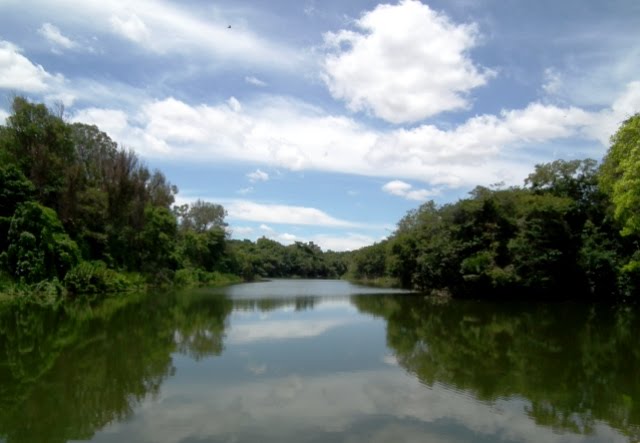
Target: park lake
(318, 361)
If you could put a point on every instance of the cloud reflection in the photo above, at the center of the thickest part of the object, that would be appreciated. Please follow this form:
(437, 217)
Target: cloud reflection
(364, 406)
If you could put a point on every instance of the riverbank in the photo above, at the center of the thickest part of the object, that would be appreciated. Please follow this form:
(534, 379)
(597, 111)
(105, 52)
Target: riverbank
(106, 283)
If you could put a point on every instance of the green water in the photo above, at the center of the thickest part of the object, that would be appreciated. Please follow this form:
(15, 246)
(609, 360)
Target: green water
(318, 361)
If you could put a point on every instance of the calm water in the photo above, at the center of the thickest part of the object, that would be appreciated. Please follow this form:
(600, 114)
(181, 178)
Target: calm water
(318, 361)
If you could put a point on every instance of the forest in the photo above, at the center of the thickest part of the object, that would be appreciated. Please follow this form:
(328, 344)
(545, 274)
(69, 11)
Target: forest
(79, 214)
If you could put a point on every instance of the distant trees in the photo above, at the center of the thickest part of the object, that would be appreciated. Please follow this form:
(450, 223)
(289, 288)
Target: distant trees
(268, 258)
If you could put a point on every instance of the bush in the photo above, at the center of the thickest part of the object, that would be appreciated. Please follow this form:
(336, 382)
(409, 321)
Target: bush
(38, 247)
(197, 277)
(94, 278)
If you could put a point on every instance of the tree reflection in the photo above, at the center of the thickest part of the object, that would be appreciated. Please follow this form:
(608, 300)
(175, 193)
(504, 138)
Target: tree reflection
(66, 373)
(575, 364)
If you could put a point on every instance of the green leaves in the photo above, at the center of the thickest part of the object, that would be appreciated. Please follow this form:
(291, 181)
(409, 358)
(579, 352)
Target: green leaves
(38, 246)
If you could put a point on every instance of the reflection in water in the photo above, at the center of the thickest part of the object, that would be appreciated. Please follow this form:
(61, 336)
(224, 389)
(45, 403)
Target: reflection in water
(312, 366)
(64, 375)
(576, 364)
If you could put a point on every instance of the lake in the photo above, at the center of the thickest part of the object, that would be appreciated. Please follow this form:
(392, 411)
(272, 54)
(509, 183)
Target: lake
(318, 361)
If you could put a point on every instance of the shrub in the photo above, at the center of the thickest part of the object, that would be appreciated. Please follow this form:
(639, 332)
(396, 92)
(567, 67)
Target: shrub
(94, 278)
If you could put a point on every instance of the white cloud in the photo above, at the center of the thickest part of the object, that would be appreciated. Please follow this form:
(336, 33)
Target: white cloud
(54, 36)
(287, 238)
(281, 132)
(3, 116)
(282, 214)
(165, 28)
(234, 104)
(405, 190)
(407, 62)
(112, 121)
(607, 121)
(131, 27)
(347, 242)
(266, 228)
(255, 81)
(257, 176)
(19, 73)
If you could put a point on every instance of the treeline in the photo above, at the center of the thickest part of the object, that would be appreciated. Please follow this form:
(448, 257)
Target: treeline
(79, 214)
(268, 258)
(572, 230)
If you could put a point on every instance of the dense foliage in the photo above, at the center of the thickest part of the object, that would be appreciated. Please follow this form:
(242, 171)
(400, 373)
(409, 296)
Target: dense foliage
(572, 229)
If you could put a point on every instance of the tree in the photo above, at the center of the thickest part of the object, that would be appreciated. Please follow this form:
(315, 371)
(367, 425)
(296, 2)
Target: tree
(620, 180)
(201, 216)
(38, 246)
(575, 178)
(40, 143)
(158, 239)
(15, 188)
(620, 175)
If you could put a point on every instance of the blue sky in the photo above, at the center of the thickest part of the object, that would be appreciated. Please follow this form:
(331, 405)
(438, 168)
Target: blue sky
(326, 121)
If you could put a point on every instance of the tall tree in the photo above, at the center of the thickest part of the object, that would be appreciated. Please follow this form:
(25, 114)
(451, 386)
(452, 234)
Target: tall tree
(40, 143)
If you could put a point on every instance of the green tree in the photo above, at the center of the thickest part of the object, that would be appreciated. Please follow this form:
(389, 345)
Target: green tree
(620, 180)
(38, 246)
(158, 240)
(15, 188)
(620, 175)
(201, 216)
(40, 143)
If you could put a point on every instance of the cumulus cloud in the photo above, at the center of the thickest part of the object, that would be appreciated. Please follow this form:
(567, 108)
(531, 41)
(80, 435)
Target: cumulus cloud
(404, 63)
(282, 132)
(405, 190)
(258, 176)
(255, 81)
(17, 72)
(55, 37)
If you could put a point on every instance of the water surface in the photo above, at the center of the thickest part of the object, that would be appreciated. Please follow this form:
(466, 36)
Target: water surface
(318, 361)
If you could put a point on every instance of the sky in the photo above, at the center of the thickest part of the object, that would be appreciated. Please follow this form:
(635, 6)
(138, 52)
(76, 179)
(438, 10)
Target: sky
(327, 121)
